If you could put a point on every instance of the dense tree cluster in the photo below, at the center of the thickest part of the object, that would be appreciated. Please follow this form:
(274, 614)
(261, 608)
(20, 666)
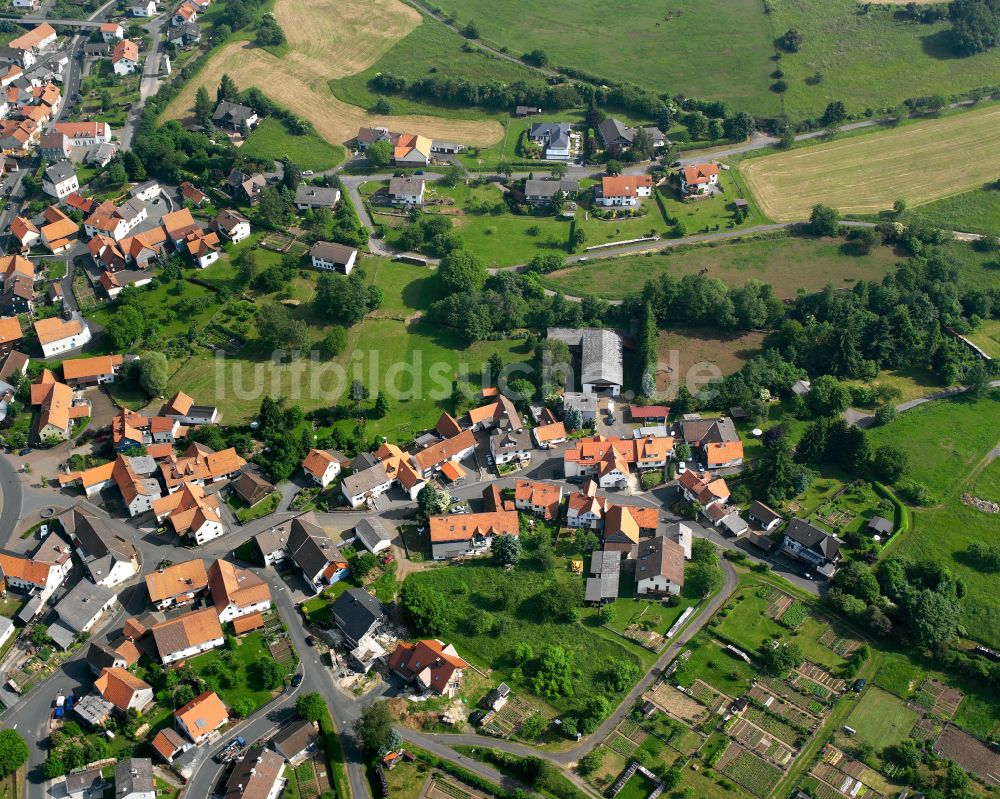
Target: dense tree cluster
(345, 300)
(975, 25)
(284, 450)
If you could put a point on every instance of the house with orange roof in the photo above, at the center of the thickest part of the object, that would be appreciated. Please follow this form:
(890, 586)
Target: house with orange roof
(190, 512)
(92, 481)
(703, 489)
(177, 584)
(183, 14)
(167, 743)
(124, 690)
(192, 194)
(182, 408)
(585, 508)
(135, 478)
(129, 430)
(82, 372)
(30, 44)
(203, 246)
(459, 534)
(624, 191)
(412, 149)
(115, 221)
(29, 575)
(625, 525)
(321, 467)
(143, 248)
(548, 435)
(125, 57)
(500, 413)
(188, 635)
(11, 336)
(59, 410)
(541, 499)
(201, 717)
(60, 231)
(177, 225)
(722, 454)
(432, 458)
(112, 32)
(201, 465)
(392, 467)
(165, 430)
(56, 335)
(609, 459)
(430, 665)
(25, 232)
(699, 178)
(236, 592)
(14, 268)
(85, 134)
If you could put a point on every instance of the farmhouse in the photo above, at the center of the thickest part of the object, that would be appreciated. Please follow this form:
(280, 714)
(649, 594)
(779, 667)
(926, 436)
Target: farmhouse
(430, 665)
(331, 257)
(391, 466)
(411, 149)
(309, 197)
(601, 357)
(192, 513)
(321, 467)
(812, 546)
(83, 372)
(177, 225)
(554, 139)
(699, 178)
(624, 190)
(28, 575)
(182, 408)
(406, 191)
(57, 335)
(59, 410)
(124, 690)
(460, 534)
(659, 568)
(187, 635)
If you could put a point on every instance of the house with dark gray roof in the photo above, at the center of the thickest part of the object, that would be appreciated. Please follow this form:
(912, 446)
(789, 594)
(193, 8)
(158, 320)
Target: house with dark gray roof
(553, 138)
(765, 516)
(234, 115)
(605, 570)
(541, 192)
(294, 741)
(329, 256)
(109, 556)
(812, 546)
(358, 614)
(406, 191)
(372, 534)
(308, 197)
(80, 610)
(134, 779)
(317, 557)
(601, 370)
(617, 136)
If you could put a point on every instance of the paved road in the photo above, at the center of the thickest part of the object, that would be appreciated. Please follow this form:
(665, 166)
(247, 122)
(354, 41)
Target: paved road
(862, 419)
(90, 22)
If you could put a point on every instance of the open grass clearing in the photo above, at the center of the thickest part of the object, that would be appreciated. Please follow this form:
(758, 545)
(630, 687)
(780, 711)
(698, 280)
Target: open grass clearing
(236, 680)
(987, 337)
(976, 211)
(880, 719)
(915, 162)
(326, 40)
(912, 382)
(788, 263)
(693, 356)
(272, 139)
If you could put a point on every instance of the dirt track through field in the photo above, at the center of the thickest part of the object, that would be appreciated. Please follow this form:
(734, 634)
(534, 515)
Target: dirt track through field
(327, 39)
(918, 163)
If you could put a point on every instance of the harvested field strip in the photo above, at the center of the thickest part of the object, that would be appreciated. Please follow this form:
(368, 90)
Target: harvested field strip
(326, 40)
(920, 162)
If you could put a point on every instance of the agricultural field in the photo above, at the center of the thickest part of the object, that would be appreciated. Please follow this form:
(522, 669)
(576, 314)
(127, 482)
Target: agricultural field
(271, 139)
(693, 357)
(326, 40)
(949, 462)
(880, 719)
(912, 164)
(976, 211)
(788, 263)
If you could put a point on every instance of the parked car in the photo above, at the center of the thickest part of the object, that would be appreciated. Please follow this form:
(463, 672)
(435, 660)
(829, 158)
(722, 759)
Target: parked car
(307, 173)
(859, 685)
(296, 681)
(25, 451)
(311, 640)
(681, 467)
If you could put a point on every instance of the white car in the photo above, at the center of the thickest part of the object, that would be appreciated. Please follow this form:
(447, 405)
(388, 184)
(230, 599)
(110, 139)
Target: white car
(681, 467)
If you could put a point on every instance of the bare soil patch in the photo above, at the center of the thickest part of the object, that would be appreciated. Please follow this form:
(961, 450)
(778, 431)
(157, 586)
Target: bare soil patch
(693, 357)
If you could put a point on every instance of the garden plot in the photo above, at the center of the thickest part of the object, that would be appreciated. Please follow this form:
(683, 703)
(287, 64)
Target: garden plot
(650, 639)
(969, 753)
(716, 701)
(778, 602)
(773, 726)
(945, 699)
(925, 729)
(761, 742)
(676, 703)
(844, 776)
(444, 788)
(843, 645)
(626, 738)
(746, 769)
(508, 720)
(820, 676)
(806, 697)
(794, 714)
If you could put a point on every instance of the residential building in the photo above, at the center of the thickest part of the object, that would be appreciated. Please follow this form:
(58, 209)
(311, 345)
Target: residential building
(88, 784)
(187, 635)
(618, 137)
(233, 225)
(191, 194)
(124, 690)
(312, 550)
(28, 576)
(11, 336)
(509, 444)
(357, 614)
(430, 665)
(112, 32)
(723, 454)
(406, 191)
(308, 197)
(186, 34)
(83, 372)
(200, 465)
(459, 534)
(430, 460)
(125, 57)
(192, 513)
(295, 741)
(605, 575)
(30, 44)
(108, 556)
(84, 134)
(703, 488)
(138, 8)
(764, 516)
(134, 779)
(245, 188)
(812, 546)
(321, 467)
(391, 467)
(146, 191)
(80, 610)
(14, 366)
(135, 478)
(500, 414)
(542, 192)
(601, 357)
(699, 178)
(203, 246)
(236, 592)
(201, 717)
(541, 499)
(549, 435)
(182, 408)
(251, 488)
(585, 508)
(624, 190)
(233, 115)
(626, 525)
(7, 630)
(25, 232)
(330, 257)
(178, 584)
(168, 743)
(649, 414)
(553, 138)
(659, 567)
(610, 459)
(715, 441)
(411, 149)
(58, 408)
(177, 225)
(372, 534)
(446, 147)
(115, 222)
(183, 14)
(59, 233)
(258, 774)
(59, 180)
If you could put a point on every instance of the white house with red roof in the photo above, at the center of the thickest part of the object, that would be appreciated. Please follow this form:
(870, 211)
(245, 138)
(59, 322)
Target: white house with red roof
(430, 665)
(699, 178)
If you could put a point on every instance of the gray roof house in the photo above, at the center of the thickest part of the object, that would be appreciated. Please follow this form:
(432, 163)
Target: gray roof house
(539, 192)
(601, 357)
(314, 553)
(880, 525)
(605, 568)
(307, 197)
(357, 614)
(134, 778)
(293, 742)
(79, 610)
(234, 115)
(85, 784)
(617, 136)
(108, 556)
(813, 546)
(372, 534)
(553, 138)
(699, 432)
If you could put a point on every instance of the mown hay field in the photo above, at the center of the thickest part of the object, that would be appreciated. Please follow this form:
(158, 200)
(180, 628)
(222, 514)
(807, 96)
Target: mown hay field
(920, 162)
(327, 39)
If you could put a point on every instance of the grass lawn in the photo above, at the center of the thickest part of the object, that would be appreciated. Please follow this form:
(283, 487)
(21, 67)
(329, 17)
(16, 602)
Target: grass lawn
(788, 263)
(272, 139)
(899, 674)
(976, 211)
(235, 681)
(987, 337)
(950, 462)
(639, 786)
(977, 269)
(472, 587)
(712, 663)
(913, 165)
(10, 605)
(747, 625)
(912, 382)
(881, 719)
(164, 790)
(174, 306)
(245, 514)
(406, 779)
